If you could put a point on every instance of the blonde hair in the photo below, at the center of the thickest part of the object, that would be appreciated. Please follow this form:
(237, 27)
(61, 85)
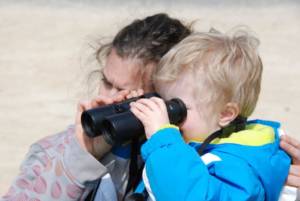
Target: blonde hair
(228, 65)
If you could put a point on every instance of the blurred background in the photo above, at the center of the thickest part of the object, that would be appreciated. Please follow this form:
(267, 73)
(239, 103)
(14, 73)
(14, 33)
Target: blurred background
(46, 53)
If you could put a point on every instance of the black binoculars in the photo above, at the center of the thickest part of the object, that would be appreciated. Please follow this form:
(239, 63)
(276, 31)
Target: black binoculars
(118, 124)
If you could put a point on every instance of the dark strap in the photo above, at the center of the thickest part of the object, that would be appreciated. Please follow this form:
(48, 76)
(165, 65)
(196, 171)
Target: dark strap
(135, 173)
(92, 195)
(235, 126)
(138, 196)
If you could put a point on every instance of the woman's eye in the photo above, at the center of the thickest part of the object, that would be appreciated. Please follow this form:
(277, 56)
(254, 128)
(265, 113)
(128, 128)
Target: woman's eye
(106, 83)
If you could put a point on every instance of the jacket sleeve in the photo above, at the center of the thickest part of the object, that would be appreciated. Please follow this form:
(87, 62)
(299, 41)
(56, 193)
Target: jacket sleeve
(56, 168)
(175, 171)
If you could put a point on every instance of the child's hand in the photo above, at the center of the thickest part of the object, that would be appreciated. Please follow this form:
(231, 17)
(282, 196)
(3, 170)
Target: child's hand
(152, 113)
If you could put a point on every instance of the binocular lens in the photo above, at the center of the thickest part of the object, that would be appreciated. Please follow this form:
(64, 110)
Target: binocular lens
(176, 110)
(122, 127)
(91, 120)
(89, 126)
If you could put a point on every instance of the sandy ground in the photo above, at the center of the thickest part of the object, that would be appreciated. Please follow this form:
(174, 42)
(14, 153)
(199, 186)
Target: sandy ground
(45, 55)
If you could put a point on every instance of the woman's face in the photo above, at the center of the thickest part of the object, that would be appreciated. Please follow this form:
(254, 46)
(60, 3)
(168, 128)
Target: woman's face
(125, 73)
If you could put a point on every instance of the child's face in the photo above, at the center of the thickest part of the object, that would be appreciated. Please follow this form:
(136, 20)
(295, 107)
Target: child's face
(200, 121)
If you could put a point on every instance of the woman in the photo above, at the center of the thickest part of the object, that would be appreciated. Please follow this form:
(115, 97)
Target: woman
(66, 166)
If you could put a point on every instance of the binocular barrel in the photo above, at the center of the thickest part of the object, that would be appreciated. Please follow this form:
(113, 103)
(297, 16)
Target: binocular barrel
(118, 124)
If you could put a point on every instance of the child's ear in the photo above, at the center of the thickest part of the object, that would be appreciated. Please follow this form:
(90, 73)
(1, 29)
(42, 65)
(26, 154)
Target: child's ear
(228, 114)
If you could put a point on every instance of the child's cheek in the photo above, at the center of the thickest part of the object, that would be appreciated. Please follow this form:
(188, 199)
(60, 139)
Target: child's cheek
(184, 132)
(185, 138)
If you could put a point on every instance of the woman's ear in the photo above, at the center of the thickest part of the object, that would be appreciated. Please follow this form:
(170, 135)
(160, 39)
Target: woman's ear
(228, 114)
(147, 76)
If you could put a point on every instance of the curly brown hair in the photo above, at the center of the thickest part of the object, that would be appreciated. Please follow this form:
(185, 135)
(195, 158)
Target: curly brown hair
(147, 39)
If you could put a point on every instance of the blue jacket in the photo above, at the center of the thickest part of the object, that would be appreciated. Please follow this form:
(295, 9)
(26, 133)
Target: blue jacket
(249, 165)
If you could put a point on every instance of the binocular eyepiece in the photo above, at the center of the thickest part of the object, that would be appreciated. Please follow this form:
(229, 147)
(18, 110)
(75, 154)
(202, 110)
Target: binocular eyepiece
(118, 124)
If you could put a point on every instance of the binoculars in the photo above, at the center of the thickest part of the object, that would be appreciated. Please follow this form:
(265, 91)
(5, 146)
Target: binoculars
(118, 124)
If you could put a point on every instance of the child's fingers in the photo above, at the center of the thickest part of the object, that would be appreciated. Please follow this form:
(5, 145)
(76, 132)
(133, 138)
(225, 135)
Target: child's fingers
(138, 113)
(149, 104)
(292, 150)
(160, 103)
(141, 107)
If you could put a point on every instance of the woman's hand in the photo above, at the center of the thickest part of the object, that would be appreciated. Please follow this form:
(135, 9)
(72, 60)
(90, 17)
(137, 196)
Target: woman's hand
(135, 93)
(292, 147)
(152, 113)
(96, 146)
